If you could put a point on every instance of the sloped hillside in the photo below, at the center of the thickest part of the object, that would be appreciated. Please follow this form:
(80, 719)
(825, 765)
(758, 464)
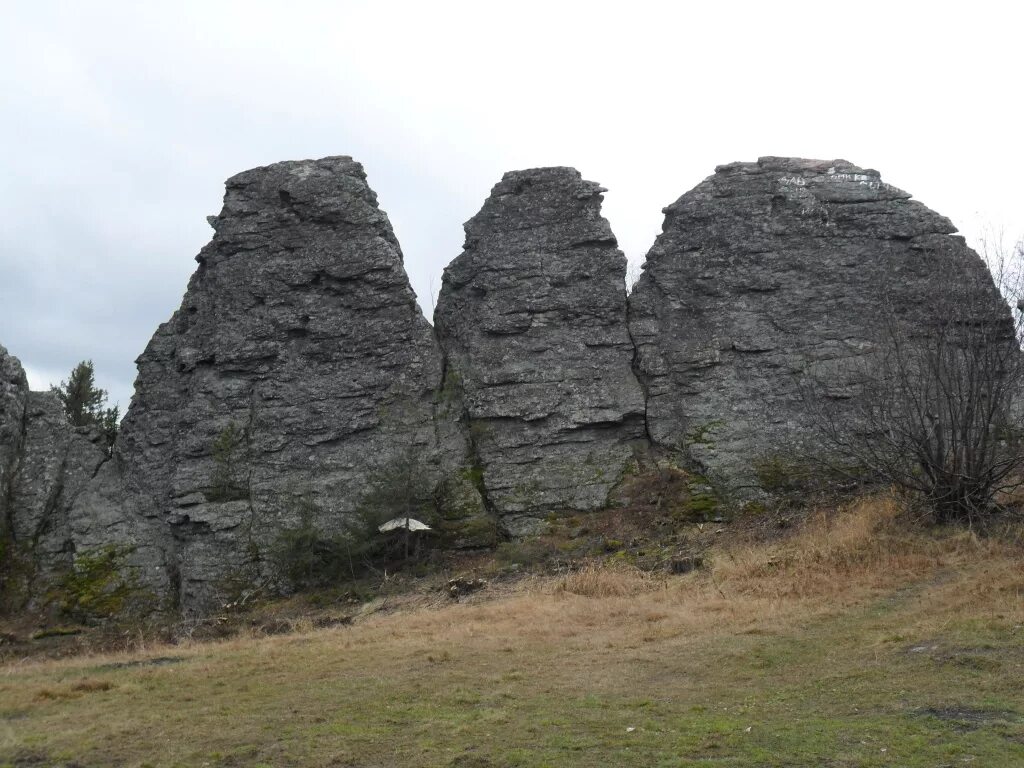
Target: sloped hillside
(854, 639)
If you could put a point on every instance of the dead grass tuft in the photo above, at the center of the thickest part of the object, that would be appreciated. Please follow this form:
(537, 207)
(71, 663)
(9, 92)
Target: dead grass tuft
(603, 580)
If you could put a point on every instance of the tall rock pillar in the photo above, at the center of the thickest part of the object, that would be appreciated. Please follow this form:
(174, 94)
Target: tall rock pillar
(532, 318)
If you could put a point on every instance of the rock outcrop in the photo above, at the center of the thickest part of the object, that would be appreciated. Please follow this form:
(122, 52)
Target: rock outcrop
(45, 465)
(13, 398)
(57, 463)
(767, 273)
(532, 318)
(298, 365)
(299, 373)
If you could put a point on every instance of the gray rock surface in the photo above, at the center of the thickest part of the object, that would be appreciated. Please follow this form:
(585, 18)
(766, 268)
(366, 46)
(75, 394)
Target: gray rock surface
(56, 464)
(532, 317)
(45, 464)
(298, 364)
(768, 272)
(13, 399)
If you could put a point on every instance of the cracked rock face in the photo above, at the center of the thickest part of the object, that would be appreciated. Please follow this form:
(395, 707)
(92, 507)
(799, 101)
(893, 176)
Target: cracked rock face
(13, 397)
(766, 272)
(57, 463)
(532, 317)
(45, 464)
(298, 363)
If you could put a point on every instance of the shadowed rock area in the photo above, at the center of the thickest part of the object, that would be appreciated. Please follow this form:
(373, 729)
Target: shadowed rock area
(45, 464)
(57, 463)
(532, 317)
(772, 271)
(13, 396)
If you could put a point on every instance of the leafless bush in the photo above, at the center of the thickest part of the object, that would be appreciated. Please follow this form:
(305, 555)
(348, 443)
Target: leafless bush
(935, 409)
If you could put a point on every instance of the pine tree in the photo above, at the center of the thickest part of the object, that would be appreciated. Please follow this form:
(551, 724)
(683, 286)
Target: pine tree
(85, 404)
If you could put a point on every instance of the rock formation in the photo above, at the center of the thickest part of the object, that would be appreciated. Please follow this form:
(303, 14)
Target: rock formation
(45, 464)
(768, 272)
(532, 318)
(57, 463)
(299, 370)
(298, 365)
(13, 396)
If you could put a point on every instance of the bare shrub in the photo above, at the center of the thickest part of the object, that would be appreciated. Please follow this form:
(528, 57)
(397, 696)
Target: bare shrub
(936, 403)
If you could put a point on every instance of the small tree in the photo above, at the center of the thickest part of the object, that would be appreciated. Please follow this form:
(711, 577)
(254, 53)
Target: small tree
(304, 557)
(937, 411)
(225, 484)
(400, 488)
(85, 404)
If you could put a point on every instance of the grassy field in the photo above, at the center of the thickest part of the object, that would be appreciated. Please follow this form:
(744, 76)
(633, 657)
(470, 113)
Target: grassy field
(851, 642)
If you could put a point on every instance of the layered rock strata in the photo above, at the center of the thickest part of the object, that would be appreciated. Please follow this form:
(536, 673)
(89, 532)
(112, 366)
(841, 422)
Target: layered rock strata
(774, 272)
(532, 318)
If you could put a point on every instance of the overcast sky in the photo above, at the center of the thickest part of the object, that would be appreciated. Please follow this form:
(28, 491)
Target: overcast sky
(120, 122)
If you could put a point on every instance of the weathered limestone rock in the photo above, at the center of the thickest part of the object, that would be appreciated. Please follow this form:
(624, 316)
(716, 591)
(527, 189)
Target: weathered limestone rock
(13, 397)
(768, 272)
(532, 317)
(45, 464)
(57, 462)
(298, 364)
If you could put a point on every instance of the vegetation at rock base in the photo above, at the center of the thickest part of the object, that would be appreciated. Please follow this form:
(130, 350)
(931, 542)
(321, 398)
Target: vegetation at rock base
(98, 586)
(856, 638)
(401, 487)
(305, 556)
(16, 573)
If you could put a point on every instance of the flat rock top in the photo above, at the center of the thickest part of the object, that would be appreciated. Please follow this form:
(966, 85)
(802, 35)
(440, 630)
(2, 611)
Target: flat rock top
(833, 181)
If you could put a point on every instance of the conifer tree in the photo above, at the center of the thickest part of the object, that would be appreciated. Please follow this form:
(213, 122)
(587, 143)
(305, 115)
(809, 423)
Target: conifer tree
(85, 404)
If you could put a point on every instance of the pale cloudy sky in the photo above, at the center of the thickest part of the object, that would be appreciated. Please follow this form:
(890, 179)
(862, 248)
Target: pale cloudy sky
(120, 122)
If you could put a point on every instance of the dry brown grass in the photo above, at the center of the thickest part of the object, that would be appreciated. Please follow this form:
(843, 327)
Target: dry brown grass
(839, 599)
(836, 558)
(852, 552)
(602, 580)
